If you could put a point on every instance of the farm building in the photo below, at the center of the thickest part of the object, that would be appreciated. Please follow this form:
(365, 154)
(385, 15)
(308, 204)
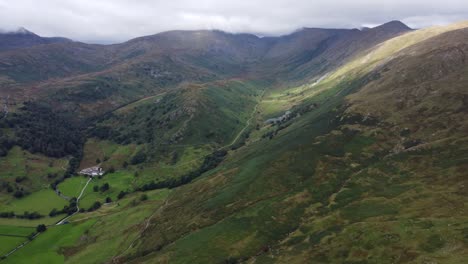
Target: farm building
(92, 171)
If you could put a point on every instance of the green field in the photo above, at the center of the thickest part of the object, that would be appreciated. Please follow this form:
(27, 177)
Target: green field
(12, 236)
(16, 222)
(42, 201)
(47, 247)
(72, 187)
(17, 231)
(8, 243)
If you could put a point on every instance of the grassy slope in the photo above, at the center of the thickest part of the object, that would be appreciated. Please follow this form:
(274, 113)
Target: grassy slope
(186, 124)
(319, 190)
(329, 198)
(41, 201)
(92, 237)
(36, 168)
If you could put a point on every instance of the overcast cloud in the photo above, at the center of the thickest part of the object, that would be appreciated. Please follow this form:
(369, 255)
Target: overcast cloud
(108, 21)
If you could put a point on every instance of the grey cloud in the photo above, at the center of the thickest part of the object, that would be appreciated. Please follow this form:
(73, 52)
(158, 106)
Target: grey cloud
(107, 21)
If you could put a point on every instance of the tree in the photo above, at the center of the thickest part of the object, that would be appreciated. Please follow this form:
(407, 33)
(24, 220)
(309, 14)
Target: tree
(108, 200)
(104, 187)
(95, 188)
(53, 213)
(98, 161)
(121, 195)
(95, 206)
(139, 157)
(41, 228)
(143, 197)
(18, 194)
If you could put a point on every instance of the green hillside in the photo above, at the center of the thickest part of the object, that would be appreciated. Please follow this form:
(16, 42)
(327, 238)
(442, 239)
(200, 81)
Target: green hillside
(261, 150)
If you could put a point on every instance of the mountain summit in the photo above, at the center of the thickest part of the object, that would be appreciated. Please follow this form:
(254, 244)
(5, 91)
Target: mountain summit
(23, 38)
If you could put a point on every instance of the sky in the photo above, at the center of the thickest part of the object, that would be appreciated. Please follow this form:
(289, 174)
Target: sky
(113, 21)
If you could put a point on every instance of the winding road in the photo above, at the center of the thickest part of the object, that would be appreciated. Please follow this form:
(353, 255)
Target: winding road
(77, 203)
(247, 124)
(59, 223)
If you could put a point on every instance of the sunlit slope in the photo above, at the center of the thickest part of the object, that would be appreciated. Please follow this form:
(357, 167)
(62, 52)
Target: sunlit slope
(348, 180)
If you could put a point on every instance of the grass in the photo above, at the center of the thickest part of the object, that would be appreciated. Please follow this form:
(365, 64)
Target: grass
(72, 187)
(312, 192)
(15, 222)
(20, 162)
(12, 236)
(368, 208)
(42, 201)
(8, 243)
(16, 231)
(47, 247)
(110, 153)
(118, 181)
(108, 232)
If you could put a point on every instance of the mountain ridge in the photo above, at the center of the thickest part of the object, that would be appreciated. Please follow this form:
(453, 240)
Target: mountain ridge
(326, 146)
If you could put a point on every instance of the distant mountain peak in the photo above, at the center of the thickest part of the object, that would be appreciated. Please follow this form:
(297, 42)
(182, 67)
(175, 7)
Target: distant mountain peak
(23, 38)
(22, 30)
(395, 24)
(18, 31)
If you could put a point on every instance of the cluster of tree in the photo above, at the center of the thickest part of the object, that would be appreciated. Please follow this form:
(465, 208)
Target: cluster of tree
(103, 187)
(210, 162)
(121, 195)
(271, 134)
(6, 144)
(241, 141)
(7, 214)
(15, 189)
(73, 166)
(138, 158)
(96, 205)
(147, 123)
(41, 228)
(19, 193)
(25, 215)
(6, 186)
(41, 130)
(67, 209)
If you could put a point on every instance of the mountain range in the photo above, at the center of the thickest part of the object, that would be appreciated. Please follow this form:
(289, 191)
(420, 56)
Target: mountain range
(321, 146)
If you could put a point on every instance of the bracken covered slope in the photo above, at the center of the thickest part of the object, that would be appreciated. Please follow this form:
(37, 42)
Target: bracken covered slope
(365, 163)
(374, 174)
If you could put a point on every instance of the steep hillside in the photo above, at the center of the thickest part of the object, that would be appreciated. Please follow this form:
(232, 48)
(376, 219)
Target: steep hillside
(324, 146)
(314, 52)
(340, 183)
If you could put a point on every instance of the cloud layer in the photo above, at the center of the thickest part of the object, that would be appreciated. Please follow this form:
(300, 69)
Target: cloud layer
(108, 21)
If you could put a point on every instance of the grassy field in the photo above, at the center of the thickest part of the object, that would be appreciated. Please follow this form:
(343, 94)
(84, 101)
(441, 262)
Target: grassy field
(47, 247)
(17, 231)
(72, 187)
(115, 232)
(8, 243)
(42, 201)
(12, 236)
(118, 181)
(90, 237)
(15, 222)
